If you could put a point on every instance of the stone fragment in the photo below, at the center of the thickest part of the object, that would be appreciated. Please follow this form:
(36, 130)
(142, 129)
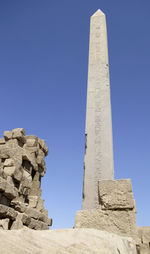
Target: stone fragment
(35, 191)
(31, 142)
(36, 184)
(43, 146)
(4, 200)
(33, 201)
(2, 184)
(116, 194)
(118, 222)
(44, 211)
(18, 174)
(28, 156)
(18, 133)
(1, 171)
(10, 180)
(8, 162)
(40, 205)
(4, 224)
(30, 149)
(2, 141)
(10, 191)
(32, 213)
(19, 206)
(38, 225)
(9, 171)
(26, 219)
(45, 219)
(7, 212)
(3, 153)
(17, 224)
(7, 135)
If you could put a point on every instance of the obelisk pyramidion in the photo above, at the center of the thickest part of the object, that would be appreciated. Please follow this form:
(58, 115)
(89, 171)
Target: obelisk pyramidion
(98, 161)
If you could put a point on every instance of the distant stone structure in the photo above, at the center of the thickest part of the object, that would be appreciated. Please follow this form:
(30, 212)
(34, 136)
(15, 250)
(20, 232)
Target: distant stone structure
(22, 165)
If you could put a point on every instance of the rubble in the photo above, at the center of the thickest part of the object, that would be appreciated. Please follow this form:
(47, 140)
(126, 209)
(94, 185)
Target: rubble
(22, 164)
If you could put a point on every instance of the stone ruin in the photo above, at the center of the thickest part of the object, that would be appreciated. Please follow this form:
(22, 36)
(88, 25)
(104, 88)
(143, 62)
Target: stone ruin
(22, 165)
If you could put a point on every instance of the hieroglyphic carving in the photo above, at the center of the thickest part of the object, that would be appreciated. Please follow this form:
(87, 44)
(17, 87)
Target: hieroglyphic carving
(99, 155)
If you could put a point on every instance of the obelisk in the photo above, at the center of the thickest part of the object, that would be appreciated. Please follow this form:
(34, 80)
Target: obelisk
(98, 161)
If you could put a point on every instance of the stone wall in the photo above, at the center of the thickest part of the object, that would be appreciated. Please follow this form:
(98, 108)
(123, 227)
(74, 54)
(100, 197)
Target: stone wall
(22, 164)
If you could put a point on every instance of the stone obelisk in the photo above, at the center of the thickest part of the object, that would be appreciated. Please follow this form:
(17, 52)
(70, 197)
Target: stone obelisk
(98, 161)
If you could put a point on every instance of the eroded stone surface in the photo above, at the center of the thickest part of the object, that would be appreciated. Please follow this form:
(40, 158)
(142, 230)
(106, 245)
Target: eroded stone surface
(64, 241)
(116, 194)
(118, 222)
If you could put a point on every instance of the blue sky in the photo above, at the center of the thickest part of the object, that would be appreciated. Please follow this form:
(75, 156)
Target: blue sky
(43, 80)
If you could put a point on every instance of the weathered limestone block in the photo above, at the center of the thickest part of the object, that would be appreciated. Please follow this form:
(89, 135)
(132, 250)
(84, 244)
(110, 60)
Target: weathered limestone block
(19, 206)
(19, 133)
(31, 141)
(40, 204)
(9, 171)
(7, 212)
(35, 191)
(8, 162)
(45, 219)
(4, 200)
(17, 224)
(33, 200)
(43, 146)
(10, 180)
(44, 211)
(33, 213)
(4, 224)
(10, 191)
(2, 141)
(26, 219)
(38, 225)
(119, 222)
(7, 135)
(27, 155)
(18, 174)
(116, 194)
(2, 184)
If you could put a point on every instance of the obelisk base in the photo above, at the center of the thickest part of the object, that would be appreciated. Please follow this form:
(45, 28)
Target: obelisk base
(116, 212)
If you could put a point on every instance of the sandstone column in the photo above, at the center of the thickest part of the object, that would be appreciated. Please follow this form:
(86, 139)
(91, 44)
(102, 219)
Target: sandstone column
(98, 162)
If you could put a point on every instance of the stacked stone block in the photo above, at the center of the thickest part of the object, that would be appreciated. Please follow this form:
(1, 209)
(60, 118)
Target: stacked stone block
(116, 212)
(22, 164)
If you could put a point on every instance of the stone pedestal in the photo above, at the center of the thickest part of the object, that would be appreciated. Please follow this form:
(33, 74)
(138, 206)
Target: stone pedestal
(116, 212)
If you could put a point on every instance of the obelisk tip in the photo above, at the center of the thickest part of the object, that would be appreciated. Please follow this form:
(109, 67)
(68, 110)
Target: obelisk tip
(98, 13)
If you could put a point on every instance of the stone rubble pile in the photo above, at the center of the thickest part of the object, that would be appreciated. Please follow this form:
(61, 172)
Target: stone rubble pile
(22, 164)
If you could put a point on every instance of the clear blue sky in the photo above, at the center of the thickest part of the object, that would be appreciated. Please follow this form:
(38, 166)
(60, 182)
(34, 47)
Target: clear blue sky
(43, 80)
